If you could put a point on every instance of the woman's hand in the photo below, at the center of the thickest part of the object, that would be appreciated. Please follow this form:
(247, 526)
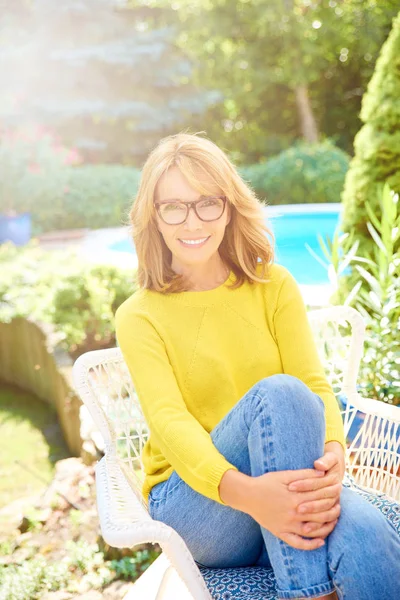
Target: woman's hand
(332, 464)
(271, 503)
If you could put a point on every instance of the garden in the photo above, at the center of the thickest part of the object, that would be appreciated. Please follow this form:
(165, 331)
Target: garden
(303, 97)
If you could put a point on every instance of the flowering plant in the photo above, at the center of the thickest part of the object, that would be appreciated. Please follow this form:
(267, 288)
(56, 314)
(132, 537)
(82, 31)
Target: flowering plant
(32, 168)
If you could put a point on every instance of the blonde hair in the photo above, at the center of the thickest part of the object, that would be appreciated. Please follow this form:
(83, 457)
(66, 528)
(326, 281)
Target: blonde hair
(244, 245)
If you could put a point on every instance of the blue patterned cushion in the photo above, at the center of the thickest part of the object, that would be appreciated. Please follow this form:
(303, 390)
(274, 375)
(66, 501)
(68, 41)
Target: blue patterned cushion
(258, 583)
(240, 583)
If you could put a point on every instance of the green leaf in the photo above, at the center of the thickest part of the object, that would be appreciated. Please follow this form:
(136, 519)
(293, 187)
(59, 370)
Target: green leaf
(377, 238)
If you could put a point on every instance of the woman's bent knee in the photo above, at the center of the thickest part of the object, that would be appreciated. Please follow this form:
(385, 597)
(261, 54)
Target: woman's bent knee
(288, 393)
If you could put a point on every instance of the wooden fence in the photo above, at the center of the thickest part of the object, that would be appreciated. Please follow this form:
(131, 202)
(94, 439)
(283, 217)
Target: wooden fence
(28, 359)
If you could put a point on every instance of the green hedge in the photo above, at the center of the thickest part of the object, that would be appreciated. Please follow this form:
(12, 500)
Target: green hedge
(93, 196)
(302, 174)
(100, 195)
(97, 196)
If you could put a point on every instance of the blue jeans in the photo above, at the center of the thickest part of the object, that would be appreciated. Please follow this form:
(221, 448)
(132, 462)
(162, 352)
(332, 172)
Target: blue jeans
(278, 425)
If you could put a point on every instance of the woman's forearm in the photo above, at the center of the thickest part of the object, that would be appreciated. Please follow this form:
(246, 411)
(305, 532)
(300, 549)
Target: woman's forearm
(234, 488)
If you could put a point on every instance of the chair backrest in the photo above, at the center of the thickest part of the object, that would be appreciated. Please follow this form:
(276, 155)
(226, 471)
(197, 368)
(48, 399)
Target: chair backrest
(103, 382)
(373, 456)
(339, 333)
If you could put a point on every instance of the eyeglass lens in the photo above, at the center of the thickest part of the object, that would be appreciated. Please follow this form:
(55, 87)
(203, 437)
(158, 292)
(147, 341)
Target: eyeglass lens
(208, 209)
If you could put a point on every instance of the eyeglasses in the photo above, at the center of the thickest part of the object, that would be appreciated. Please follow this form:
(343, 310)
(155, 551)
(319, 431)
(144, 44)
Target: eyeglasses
(207, 208)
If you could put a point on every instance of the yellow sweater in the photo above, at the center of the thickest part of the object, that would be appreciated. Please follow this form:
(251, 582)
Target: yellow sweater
(193, 355)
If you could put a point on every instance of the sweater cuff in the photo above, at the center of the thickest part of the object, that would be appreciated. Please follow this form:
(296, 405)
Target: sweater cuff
(215, 479)
(335, 435)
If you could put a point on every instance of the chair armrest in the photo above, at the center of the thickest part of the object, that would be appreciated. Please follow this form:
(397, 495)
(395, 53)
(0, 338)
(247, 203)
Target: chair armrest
(373, 457)
(375, 407)
(125, 523)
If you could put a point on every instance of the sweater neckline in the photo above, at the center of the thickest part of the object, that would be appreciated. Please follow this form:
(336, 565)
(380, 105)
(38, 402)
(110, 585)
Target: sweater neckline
(204, 297)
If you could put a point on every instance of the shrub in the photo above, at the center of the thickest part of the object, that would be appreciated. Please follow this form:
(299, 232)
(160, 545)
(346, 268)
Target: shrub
(37, 176)
(80, 301)
(33, 168)
(376, 295)
(31, 579)
(95, 196)
(131, 567)
(301, 174)
(377, 144)
(82, 567)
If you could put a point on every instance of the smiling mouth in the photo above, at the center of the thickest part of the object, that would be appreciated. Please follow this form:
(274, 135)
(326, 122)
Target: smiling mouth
(194, 243)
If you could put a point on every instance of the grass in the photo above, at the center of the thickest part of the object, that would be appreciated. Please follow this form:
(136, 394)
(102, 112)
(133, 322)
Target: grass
(31, 442)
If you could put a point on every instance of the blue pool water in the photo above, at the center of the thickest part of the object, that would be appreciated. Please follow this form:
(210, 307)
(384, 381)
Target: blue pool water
(294, 226)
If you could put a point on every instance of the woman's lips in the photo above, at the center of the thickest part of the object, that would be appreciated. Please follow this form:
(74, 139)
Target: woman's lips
(193, 245)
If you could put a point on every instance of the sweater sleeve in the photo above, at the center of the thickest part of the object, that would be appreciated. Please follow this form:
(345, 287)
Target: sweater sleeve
(184, 442)
(299, 353)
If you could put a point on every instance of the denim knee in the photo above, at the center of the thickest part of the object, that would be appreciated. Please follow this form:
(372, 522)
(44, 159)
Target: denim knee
(288, 393)
(287, 419)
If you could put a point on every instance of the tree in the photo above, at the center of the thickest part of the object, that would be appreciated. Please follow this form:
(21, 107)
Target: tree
(377, 145)
(277, 64)
(96, 75)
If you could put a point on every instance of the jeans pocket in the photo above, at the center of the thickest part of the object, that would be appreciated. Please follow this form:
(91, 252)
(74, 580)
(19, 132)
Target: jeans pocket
(157, 498)
(155, 509)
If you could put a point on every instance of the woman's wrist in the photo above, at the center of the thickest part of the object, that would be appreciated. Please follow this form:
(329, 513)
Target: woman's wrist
(234, 489)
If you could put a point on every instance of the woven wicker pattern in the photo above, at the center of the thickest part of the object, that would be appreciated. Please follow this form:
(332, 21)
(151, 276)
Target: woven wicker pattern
(103, 382)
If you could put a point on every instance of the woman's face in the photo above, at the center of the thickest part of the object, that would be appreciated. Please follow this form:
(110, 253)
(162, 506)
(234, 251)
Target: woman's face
(173, 186)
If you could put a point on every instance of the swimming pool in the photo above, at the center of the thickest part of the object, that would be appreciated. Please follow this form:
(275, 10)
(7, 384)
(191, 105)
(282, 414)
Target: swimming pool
(294, 226)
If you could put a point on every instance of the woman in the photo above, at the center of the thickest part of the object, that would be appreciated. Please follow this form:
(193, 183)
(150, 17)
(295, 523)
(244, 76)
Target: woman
(246, 451)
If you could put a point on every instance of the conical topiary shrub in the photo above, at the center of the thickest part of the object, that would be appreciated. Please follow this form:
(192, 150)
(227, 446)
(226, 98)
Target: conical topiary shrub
(377, 144)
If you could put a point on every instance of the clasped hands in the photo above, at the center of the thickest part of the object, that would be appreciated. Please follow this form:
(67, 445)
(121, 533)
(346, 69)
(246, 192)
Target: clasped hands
(320, 505)
(302, 506)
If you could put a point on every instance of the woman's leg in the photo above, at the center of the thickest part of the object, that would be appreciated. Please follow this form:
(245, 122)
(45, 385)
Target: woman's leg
(288, 432)
(277, 425)
(363, 552)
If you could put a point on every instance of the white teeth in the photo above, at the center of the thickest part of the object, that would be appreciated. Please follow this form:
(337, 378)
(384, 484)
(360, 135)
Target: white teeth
(194, 242)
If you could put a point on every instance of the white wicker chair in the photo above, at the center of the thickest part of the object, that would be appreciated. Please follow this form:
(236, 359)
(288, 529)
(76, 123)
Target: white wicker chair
(105, 386)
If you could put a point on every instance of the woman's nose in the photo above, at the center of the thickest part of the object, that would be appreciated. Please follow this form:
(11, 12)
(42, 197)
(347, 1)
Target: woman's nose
(192, 220)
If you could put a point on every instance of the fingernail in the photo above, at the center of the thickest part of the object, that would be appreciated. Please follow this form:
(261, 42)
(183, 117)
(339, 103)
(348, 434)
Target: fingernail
(292, 488)
(321, 544)
(302, 509)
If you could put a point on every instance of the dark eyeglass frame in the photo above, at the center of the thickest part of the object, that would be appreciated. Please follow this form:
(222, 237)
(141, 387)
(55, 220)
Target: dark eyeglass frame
(189, 205)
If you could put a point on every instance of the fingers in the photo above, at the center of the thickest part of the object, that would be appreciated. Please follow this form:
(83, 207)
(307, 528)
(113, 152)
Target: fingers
(302, 474)
(313, 521)
(331, 491)
(323, 530)
(296, 541)
(327, 461)
(311, 484)
(309, 508)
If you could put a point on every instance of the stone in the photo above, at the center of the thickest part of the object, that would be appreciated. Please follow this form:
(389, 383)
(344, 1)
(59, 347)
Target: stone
(60, 595)
(92, 595)
(117, 590)
(89, 452)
